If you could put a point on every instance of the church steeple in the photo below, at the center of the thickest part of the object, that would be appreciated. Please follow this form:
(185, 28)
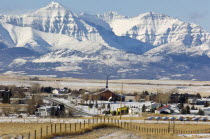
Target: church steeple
(107, 83)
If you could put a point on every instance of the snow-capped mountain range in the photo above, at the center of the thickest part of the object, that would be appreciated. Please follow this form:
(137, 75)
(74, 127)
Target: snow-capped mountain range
(54, 41)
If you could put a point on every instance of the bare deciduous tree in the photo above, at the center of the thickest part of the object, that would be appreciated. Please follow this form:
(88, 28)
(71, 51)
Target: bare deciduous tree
(35, 88)
(6, 111)
(161, 97)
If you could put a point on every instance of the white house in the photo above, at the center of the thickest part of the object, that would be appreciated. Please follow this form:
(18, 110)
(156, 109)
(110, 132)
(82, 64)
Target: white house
(43, 111)
(135, 111)
(206, 110)
(168, 109)
(59, 91)
(195, 112)
(155, 105)
(56, 91)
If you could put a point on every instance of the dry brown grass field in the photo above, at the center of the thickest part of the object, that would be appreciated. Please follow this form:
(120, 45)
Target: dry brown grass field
(116, 133)
(18, 128)
(14, 129)
(130, 85)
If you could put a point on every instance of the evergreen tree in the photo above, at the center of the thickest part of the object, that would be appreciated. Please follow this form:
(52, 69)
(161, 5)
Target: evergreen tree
(198, 95)
(103, 106)
(96, 104)
(187, 109)
(206, 104)
(143, 108)
(52, 112)
(200, 112)
(193, 107)
(181, 105)
(108, 106)
(183, 111)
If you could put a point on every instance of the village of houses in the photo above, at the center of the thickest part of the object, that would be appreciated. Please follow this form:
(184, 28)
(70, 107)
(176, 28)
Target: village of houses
(46, 102)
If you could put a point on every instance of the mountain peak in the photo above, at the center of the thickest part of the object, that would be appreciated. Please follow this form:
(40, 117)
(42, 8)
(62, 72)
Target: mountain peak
(153, 15)
(54, 5)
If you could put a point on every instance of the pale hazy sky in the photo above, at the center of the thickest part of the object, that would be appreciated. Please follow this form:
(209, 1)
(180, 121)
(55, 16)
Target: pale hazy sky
(196, 11)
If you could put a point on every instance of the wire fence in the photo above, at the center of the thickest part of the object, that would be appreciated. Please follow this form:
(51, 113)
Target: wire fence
(67, 129)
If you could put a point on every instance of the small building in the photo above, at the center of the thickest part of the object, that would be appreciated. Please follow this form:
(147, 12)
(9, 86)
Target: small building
(206, 110)
(154, 106)
(34, 78)
(164, 110)
(43, 111)
(18, 100)
(168, 109)
(194, 112)
(122, 110)
(108, 95)
(59, 91)
(134, 111)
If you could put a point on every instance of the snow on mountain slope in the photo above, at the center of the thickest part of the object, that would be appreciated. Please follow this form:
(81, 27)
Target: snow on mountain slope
(94, 63)
(102, 20)
(159, 29)
(178, 49)
(5, 38)
(55, 41)
(35, 40)
(55, 19)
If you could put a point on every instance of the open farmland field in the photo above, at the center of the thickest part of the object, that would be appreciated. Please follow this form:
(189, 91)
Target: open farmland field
(8, 130)
(115, 133)
(14, 129)
(130, 85)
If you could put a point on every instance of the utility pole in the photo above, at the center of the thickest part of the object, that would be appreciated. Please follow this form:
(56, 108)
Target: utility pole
(121, 101)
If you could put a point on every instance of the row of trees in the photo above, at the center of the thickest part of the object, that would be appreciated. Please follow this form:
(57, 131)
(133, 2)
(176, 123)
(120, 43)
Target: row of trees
(171, 96)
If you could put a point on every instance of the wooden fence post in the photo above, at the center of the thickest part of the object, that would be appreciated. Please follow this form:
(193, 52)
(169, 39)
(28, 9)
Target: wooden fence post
(168, 126)
(29, 135)
(35, 134)
(55, 128)
(75, 126)
(65, 128)
(119, 123)
(80, 125)
(41, 133)
(60, 127)
(70, 127)
(51, 126)
(47, 131)
(84, 124)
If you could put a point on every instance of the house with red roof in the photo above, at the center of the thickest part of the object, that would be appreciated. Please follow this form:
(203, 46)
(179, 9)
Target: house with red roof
(164, 109)
(167, 109)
